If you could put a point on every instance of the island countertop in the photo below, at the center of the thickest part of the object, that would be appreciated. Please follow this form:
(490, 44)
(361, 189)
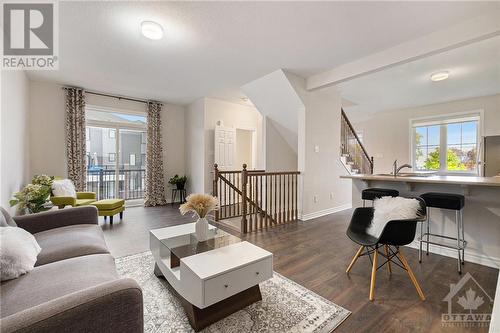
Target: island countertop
(451, 180)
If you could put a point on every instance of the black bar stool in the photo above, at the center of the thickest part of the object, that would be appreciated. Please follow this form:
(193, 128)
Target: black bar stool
(450, 201)
(377, 193)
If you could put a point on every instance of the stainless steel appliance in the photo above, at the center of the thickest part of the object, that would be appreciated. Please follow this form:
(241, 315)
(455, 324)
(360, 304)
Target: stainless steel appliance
(491, 156)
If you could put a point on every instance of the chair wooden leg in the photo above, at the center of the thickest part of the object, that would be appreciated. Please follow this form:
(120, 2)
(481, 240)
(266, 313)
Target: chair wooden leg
(374, 275)
(412, 276)
(356, 256)
(386, 247)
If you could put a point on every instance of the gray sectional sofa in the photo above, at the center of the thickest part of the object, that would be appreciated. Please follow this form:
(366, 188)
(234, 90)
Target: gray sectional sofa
(74, 286)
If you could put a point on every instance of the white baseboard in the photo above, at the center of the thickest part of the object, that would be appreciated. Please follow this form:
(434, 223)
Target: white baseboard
(470, 256)
(310, 216)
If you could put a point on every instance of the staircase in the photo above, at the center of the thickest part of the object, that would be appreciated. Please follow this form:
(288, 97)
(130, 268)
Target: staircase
(258, 199)
(353, 154)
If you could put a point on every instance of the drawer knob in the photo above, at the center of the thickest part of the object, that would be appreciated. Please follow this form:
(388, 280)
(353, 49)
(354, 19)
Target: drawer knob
(226, 285)
(257, 273)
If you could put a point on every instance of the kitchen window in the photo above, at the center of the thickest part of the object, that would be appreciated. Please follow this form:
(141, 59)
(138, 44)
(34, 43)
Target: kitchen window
(446, 145)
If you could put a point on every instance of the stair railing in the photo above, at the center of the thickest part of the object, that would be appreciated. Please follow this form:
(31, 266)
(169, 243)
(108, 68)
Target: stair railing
(262, 199)
(352, 148)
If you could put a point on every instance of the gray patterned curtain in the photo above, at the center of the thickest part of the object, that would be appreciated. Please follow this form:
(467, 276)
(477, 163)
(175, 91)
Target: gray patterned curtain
(155, 188)
(75, 137)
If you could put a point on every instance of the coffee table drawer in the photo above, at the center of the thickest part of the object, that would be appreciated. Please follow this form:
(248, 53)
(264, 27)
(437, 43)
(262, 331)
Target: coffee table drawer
(235, 281)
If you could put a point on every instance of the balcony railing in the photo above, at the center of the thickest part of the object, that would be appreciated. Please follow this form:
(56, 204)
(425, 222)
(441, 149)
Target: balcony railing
(103, 182)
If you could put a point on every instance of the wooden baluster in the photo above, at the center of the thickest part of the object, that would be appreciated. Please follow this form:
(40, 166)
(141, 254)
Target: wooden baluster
(244, 228)
(267, 202)
(261, 203)
(288, 214)
(257, 202)
(293, 200)
(296, 197)
(216, 178)
(278, 206)
(275, 199)
(231, 196)
(250, 214)
(238, 196)
(284, 198)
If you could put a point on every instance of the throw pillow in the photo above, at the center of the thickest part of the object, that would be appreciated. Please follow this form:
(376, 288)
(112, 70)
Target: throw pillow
(63, 188)
(5, 219)
(18, 252)
(388, 209)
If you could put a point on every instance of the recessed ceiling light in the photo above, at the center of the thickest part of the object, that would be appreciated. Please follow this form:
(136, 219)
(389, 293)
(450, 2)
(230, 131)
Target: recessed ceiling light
(151, 30)
(440, 76)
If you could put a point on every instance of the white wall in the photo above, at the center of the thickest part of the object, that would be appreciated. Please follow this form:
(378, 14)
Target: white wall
(233, 115)
(47, 130)
(195, 146)
(319, 127)
(386, 135)
(278, 153)
(14, 130)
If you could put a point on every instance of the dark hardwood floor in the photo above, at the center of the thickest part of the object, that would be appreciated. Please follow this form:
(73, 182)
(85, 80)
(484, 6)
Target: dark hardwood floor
(316, 254)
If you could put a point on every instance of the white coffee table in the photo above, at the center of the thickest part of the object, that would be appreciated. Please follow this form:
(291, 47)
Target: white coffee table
(213, 278)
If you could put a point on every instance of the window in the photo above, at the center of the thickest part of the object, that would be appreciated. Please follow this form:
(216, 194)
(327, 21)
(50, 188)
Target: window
(427, 143)
(446, 144)
(115, 146)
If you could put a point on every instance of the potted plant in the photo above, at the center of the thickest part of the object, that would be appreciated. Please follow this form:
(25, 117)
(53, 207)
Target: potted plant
(179, 182)
(33, 197)
(201, 205)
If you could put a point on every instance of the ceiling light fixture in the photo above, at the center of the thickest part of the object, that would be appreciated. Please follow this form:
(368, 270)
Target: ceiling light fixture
(244, 99)
(151, 30)
(440, 76)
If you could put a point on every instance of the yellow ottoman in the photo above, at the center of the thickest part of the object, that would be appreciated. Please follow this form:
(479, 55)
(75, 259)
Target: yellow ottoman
(110, 207)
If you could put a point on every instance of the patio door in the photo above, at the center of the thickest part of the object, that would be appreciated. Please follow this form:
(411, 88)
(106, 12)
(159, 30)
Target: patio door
(116, 154)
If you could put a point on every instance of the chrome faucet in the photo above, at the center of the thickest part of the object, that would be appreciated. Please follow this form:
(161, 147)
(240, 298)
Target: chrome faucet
(396, 169)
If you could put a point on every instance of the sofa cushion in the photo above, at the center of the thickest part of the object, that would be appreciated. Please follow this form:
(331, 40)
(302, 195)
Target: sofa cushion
(5, 219)
(69, 242)
(18, 252)
(54, 280)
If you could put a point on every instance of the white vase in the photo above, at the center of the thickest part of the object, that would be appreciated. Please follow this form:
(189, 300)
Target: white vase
(201, 229)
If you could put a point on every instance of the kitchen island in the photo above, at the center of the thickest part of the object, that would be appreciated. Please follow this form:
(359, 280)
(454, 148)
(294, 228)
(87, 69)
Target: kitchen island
(481, 211)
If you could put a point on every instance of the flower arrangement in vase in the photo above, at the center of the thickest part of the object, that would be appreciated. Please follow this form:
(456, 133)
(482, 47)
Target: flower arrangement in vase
(33, 197)
(201, 205)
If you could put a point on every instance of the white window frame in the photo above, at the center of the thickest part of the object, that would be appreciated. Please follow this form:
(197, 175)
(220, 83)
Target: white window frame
(444, 119)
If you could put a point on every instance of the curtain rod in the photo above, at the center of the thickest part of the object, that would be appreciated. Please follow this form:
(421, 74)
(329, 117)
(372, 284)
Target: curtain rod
(115, 96)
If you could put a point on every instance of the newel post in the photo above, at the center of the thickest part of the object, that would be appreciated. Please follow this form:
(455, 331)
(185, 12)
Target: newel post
(244, 181)
(215, 192)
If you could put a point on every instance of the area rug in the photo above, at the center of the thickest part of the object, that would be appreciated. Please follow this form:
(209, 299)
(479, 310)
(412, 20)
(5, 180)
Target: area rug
(285, 307)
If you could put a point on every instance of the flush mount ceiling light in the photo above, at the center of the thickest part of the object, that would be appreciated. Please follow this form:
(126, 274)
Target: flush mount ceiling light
(151, 30)
(440, 76)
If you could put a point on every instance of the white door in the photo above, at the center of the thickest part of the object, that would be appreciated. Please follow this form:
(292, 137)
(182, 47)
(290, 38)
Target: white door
(225, 148)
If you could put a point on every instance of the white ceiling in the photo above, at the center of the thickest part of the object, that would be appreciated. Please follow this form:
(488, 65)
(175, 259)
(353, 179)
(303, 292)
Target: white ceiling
(213, 48)
(474, 71)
